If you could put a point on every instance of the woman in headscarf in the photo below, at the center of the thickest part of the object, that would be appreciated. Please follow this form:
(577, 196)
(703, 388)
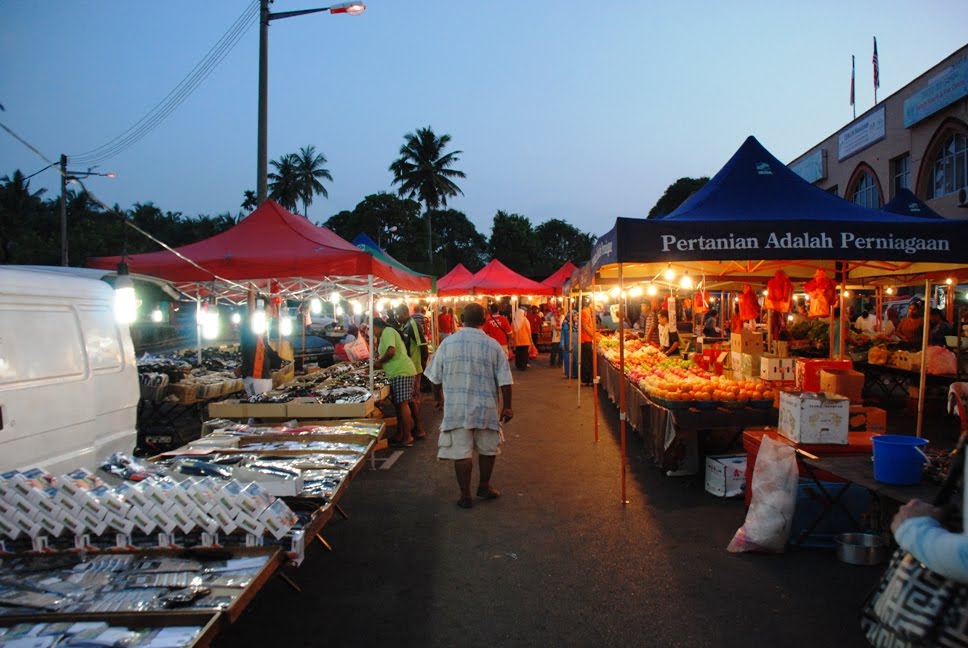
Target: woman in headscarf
(521, 338)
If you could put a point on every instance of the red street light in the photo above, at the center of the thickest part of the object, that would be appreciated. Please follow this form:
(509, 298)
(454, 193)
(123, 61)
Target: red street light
(351, 8)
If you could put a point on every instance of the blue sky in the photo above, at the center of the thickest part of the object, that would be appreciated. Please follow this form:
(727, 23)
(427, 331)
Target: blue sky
(574, 110)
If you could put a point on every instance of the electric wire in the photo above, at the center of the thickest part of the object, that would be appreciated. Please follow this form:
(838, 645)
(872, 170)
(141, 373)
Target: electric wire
(124, 218)
(178, 94)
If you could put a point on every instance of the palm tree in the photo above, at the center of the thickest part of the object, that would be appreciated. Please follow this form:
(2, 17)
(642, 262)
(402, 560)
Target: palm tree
(284, 184)
(250, 202)
(309, 171)
(423, 172)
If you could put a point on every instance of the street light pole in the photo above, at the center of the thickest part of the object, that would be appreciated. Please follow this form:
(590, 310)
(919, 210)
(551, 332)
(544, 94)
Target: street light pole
(265, 16)
(262, 185)
(63, 208)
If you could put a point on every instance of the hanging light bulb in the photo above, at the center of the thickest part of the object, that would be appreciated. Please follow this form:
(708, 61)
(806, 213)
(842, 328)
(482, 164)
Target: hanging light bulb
(236, 318)
(357, 307)
(766, 293)
(948, 281)
(636, 291)
(651, 290)
(846, 294)
(334, 298)
(806, 297)
(210, 324)
(381, 304)
(156, 315)
(285, 325)
(686, 282)
(889, 290)
(394, 303)
(789, 318)
(259, 324)
(669, 274)
(711, 299)
(614, 292)
(339, 312)
(315, 306)
(125, 301)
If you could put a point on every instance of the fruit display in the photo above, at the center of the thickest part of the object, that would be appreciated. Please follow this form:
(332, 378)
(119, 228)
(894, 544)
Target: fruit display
(677, 383)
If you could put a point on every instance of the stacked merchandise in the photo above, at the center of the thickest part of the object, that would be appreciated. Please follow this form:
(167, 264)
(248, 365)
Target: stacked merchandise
(180, 377)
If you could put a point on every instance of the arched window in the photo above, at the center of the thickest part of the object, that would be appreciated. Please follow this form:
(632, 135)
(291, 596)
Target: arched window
(949, 173)
(866, 193)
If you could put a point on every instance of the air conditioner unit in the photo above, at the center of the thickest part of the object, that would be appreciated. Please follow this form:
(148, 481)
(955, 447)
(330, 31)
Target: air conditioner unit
(963, 198)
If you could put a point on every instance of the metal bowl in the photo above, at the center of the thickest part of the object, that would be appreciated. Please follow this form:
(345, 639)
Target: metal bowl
(861, 548)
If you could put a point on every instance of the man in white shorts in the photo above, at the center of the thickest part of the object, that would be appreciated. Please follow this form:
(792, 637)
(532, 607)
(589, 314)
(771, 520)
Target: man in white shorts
(466, 372)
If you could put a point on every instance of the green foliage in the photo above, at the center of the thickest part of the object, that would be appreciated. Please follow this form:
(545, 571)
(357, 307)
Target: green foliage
(676, 194)
(513, 242)
(284, 184)
(559, 242)
(309, 174)
(456, 240)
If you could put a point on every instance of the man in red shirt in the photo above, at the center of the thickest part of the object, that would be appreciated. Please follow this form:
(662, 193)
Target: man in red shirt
(445, 323)
(587, 335)
(498, 327)
(535, 319)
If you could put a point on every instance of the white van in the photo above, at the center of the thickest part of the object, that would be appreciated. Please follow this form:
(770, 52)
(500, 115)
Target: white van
(68, 379)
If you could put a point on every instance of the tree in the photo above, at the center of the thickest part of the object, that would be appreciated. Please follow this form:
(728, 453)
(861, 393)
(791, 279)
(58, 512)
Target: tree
(513, 242)
(423, 171)
(250, 201)
(676, 194)
(284, 185)
(460, 241)
(558, 242)
(25, 222)
(309, 171)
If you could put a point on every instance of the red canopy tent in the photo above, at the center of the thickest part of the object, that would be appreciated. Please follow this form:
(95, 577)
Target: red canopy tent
(495, 279)
(558, 278)
(457, 275)
(271, 245)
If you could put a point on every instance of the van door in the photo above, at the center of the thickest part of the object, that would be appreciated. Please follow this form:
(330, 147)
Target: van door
(47, 401)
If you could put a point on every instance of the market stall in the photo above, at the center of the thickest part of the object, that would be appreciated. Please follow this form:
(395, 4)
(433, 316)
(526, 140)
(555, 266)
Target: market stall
(756, 217)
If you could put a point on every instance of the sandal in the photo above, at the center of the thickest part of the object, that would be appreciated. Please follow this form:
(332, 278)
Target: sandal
(465, 502)
(488, 493)
(401, 444)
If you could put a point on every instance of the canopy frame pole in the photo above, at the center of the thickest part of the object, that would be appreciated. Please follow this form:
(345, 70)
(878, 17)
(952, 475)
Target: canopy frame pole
(842, 348)
(576, 343)
(591, 313)
(925, 332)
(622, 414)
(878, 306)
(369, 326)
(198, 326)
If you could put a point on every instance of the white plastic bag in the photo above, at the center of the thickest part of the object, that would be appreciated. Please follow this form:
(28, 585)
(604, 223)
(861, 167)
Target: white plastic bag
(775, 482)
(357, 350)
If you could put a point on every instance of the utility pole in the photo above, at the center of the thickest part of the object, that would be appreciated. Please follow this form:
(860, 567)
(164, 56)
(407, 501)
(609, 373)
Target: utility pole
(262, 156)
(63, 208)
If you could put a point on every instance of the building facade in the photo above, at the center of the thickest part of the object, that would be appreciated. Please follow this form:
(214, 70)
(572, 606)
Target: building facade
(917, 138)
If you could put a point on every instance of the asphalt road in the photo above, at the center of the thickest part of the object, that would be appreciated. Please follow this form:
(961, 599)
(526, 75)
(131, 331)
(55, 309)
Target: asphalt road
(558, 560)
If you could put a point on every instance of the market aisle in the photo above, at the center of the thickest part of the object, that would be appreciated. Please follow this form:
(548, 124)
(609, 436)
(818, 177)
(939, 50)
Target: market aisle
(557, 560)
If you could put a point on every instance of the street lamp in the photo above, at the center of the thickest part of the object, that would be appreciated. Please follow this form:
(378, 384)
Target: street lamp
(265, 16)
(65, 177)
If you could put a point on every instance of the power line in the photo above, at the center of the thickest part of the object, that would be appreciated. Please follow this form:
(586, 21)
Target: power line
(178, 94)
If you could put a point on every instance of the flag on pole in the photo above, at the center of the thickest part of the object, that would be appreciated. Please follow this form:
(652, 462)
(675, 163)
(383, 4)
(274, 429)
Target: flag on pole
(852, 79)
(877, 68)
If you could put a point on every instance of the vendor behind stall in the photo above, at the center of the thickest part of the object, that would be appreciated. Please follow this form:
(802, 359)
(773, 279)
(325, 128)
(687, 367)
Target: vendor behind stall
(668, 338)
(258, 358)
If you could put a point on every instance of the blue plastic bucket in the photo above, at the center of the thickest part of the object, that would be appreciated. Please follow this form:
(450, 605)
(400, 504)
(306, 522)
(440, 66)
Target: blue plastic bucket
(897, 460)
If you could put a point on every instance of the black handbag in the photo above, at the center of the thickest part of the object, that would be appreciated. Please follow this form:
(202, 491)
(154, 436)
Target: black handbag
(914, 606)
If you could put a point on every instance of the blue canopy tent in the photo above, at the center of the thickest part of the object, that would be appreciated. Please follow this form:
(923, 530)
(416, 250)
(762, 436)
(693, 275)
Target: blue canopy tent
(756, 216)
(907, 204)
(368, 245)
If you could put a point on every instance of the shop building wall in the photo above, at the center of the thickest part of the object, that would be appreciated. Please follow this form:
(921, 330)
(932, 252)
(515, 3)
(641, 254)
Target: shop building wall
(879, 157)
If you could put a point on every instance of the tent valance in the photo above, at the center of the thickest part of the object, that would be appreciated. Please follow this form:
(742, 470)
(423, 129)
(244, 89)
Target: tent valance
(271, 245)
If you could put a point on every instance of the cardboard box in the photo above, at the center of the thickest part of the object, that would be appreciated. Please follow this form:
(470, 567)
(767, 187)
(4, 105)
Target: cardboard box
(747, 342)
(781, 349)
(867, 419)
(808, 371)
(229, 408)
(845, 382)
(773, 367)
(811, 417)
(726, 475)
(309, 408)
(735, 361)
(266, 410)
(750, 366)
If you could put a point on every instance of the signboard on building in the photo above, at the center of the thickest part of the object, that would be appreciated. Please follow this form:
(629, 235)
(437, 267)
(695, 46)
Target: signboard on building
(813, 167)
(942, 90)
(867, 130)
